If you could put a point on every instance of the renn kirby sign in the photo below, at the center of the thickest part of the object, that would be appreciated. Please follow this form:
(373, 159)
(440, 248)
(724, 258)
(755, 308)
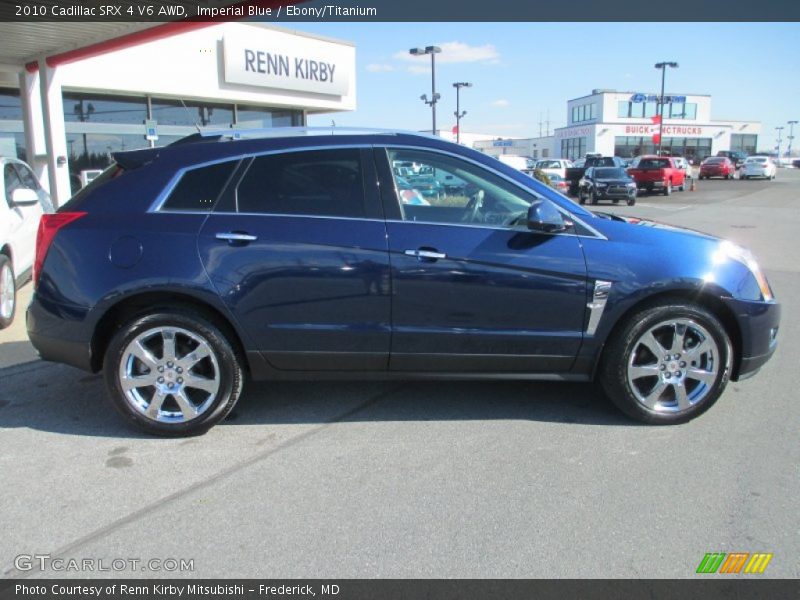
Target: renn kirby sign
(277, 60)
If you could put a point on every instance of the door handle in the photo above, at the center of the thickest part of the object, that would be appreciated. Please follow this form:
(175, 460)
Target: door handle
(422, 254)
(236, 236)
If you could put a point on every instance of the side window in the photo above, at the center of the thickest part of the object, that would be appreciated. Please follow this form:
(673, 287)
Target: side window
(446, 189)
(28, 178)
(198, 189)
(12, 181)
(325, 183)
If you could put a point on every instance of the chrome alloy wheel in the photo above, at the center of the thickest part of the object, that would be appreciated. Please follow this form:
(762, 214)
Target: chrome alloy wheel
(6, 292)
(673, 365)
(169, 374)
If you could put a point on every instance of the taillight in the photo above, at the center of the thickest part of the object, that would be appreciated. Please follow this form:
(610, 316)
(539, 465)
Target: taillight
(49, 225)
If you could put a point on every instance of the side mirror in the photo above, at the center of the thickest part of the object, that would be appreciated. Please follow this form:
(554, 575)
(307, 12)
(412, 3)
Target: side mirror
(24, 197)
(544, 217)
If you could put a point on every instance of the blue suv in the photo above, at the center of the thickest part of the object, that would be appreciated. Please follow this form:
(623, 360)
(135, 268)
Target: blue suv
(183, 271)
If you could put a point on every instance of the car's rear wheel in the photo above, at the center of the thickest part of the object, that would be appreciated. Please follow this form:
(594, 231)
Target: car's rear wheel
(173, 373)
(668, 363)
(8, 292)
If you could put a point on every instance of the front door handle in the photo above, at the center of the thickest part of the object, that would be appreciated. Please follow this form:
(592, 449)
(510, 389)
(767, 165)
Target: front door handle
(425, 254)
(236, 237)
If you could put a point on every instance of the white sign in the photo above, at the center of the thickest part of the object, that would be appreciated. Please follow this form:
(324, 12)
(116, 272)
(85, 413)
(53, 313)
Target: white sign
(278, 60)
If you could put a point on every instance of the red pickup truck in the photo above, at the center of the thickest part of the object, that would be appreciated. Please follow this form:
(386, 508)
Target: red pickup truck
(658, 173)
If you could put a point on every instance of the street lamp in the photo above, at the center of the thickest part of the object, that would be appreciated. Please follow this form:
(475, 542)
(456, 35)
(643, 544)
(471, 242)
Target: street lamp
(790, 137)
(433, 51)
(780, 139)
(458, 112)
(663, 66)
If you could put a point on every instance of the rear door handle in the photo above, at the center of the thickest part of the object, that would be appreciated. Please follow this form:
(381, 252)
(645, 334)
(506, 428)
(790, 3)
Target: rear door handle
(236, 236)
(423, 254)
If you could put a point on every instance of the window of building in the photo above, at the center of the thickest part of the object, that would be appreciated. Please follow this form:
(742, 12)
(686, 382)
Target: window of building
(198, 189)
(691, 148)
(573, 148)
(584, 112)
(318, 183)
(257, 116)
(93, 108)
(744, 142)
(191, 112)
(10, 105)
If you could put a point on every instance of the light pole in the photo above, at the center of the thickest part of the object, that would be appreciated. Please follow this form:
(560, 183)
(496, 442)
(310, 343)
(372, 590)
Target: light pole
(663, 66)
(458, 113)
(780, 139)
(790, 137)
(433, 51)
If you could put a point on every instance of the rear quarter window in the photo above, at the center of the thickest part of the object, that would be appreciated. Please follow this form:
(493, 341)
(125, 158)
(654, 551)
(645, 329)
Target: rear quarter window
(198, 188)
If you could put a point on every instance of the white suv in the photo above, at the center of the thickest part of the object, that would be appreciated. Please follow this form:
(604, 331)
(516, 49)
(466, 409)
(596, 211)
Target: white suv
(25, 201)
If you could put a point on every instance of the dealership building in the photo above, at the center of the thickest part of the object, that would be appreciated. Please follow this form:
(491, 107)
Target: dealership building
(621, 124)
(71, 94)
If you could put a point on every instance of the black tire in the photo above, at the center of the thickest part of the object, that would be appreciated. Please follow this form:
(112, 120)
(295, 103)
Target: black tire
(228, 367)
(631, 201)
(595, 199)
(668, 189)
(581, 197)
(7, 267)
(613, 367)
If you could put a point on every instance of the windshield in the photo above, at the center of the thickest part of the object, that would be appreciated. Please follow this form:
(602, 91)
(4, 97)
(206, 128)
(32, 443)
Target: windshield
(610, 173)
(654, 163)
(548, 164)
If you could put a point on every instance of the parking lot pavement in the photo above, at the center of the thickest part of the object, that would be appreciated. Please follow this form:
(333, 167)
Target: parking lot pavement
(424, 479)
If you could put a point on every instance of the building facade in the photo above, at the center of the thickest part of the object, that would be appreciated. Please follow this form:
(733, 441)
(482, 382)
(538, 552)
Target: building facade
(155, 92)
(621, 124)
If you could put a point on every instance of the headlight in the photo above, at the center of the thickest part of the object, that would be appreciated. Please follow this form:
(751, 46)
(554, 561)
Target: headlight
(602, 184)
(730, 251)
(632, 184)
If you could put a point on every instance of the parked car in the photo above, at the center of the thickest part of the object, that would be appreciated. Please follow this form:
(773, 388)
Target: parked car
(758, 166)
(25, 202)
(716, 166)
(612, 183)
(796, 163)
(408, 194)
(520, 163)
(684, 165)
(557, 182)
(659, 174)
(182, 271)
(554, 166)
(737, 157)
(575, 173)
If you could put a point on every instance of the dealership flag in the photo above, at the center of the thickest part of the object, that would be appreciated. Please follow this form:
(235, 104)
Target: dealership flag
(656, 138)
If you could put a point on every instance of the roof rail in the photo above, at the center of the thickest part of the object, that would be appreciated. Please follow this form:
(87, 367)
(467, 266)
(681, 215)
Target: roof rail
(278, 132)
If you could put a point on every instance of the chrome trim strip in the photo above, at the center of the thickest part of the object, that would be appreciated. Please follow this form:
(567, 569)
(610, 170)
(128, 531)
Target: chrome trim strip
(598, 304)
(164, 194)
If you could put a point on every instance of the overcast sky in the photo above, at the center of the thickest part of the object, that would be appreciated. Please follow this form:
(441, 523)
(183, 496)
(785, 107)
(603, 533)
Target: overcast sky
(523, 70)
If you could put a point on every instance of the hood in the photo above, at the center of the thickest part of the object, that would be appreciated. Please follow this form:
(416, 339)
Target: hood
(638, 222)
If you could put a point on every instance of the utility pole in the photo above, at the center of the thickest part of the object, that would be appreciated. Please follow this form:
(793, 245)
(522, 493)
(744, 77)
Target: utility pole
(780, 139)
(663, 66)
(790, 137)
(458, 113)
(433, 51)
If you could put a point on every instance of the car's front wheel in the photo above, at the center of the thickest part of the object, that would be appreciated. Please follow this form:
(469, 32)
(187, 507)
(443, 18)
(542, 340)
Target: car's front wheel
(173, 373)
(668, 189)
(668, 363)
(8, 292)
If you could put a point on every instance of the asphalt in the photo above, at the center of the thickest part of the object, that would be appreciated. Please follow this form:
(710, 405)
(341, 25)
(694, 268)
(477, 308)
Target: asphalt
(422, 479)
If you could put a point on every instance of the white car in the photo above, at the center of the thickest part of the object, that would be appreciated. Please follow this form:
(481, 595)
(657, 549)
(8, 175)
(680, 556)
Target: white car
(521, 163)
(758, 166)
(684, 165)
(555, 166)
(25, 201)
